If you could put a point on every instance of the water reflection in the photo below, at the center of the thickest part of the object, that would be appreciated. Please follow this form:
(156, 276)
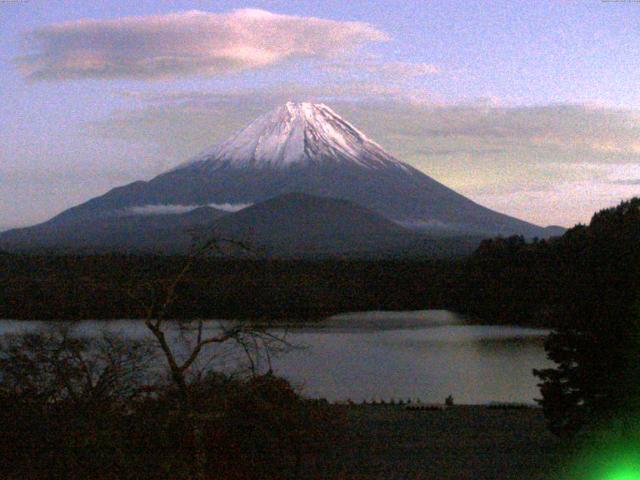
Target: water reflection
(383, 355)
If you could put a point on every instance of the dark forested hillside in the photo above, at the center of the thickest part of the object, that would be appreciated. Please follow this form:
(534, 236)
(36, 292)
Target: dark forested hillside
(111, 286)
(595, 343)
(590, 270)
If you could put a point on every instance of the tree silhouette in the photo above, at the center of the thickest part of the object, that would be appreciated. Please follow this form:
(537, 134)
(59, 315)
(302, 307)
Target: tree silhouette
(596, 345)
(253, 339)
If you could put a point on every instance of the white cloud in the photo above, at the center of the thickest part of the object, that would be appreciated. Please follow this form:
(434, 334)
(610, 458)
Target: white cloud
(386, 69)
(242, 99)
(179, 209)
(186, 43)
(230, 207)
(160, 209)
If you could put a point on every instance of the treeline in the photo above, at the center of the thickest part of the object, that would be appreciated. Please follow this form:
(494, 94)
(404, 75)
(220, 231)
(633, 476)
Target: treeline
(505, 281)
(118, 286)
(592, 271)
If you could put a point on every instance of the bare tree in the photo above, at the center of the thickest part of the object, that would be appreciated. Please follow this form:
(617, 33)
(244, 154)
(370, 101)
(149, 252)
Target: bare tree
(57, 364)
(252, 339)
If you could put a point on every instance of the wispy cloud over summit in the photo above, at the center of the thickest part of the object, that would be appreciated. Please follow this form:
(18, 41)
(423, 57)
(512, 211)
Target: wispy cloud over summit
(390, 69)
(186, 43)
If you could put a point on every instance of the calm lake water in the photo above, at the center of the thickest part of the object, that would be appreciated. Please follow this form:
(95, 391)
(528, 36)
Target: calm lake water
(382, 355)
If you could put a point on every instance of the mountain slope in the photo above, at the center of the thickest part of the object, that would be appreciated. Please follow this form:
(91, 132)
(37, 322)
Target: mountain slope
(301, 225)
(301, 147)
(309, 148)
(297, 223)
(162, 233)
(293, 225)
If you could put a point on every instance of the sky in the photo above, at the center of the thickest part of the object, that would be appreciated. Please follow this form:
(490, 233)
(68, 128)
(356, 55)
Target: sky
(531, 108)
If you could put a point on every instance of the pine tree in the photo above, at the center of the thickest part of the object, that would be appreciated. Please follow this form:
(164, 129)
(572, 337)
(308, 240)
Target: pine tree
(596, 346)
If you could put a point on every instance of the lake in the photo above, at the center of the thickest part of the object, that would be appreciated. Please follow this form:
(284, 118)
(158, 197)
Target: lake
(382, 355)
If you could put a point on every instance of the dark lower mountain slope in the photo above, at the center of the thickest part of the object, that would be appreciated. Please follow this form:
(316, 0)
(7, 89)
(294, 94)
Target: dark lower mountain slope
(160, 233)
(293, 225)
(301, 225)
(401, 194)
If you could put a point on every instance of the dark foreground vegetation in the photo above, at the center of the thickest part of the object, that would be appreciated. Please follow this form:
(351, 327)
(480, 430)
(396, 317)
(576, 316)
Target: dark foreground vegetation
(596, 342)
(78, 408)
(459, 443)
(72, 409)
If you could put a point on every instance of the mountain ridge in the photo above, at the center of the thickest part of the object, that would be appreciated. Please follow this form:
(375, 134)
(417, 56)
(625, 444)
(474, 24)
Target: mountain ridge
(309, 149)
(293, 225)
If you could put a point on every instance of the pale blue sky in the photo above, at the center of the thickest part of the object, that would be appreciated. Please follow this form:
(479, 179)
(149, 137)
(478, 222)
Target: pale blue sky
(451, 88)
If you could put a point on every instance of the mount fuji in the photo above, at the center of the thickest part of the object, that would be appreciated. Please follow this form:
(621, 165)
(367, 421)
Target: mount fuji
(299, 148)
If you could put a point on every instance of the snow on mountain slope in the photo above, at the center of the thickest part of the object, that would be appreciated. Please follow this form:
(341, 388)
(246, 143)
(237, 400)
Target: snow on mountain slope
(297, 133)
(305, 148)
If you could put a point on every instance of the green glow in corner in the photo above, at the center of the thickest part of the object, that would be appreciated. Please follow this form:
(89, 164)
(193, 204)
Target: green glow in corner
(623, 467)
(624, 473)
(626, 470)
(612, 454)
(612, 467)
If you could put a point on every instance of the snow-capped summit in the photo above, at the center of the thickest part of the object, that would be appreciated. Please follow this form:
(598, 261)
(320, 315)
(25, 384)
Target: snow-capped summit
(309, 149)
(296, 133)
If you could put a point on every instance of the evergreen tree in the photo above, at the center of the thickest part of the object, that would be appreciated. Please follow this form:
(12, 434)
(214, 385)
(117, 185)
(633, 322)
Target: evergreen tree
(596, 345)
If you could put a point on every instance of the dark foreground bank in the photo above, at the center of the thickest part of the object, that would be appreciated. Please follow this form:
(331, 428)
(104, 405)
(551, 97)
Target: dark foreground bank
(463, 442)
